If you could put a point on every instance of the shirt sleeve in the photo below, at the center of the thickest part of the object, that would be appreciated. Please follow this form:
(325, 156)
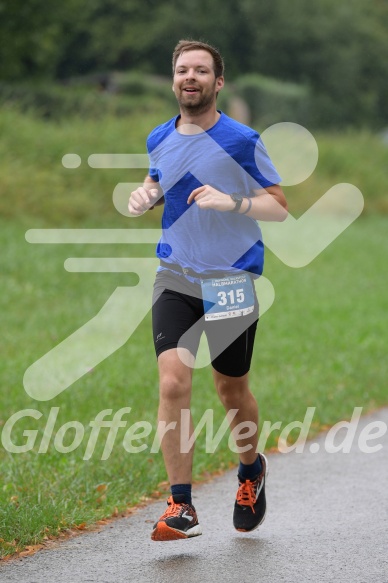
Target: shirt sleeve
(258, 163)
(153, 171)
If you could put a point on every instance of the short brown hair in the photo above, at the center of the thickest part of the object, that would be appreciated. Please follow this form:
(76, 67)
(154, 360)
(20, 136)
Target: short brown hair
(194, 45)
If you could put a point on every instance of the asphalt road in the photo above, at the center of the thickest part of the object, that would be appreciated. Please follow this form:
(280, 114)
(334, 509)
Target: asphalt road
(327, 521)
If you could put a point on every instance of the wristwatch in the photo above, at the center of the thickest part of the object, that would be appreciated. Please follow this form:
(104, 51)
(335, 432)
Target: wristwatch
(237, 198)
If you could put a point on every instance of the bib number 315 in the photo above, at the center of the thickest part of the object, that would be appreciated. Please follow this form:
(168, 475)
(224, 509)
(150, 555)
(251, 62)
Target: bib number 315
(231, 297)
(227, 297)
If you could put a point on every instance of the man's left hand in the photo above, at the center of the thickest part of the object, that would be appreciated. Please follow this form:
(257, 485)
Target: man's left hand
(208, 197)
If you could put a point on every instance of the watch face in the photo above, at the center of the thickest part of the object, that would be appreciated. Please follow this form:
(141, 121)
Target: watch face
(237, 198)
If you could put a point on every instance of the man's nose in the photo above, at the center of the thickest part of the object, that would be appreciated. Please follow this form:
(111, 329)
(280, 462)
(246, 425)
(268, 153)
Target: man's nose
(190, 74)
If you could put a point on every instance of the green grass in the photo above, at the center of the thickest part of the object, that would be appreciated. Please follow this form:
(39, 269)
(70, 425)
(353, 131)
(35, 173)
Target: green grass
(322, 343)
(34, 186)
(359, 158)
(35, 189)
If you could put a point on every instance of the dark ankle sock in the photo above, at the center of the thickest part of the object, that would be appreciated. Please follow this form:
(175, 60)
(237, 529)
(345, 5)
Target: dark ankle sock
(250, 471)
(183, 492)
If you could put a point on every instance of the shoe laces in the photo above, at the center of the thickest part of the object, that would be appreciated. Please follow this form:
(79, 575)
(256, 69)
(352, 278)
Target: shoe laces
(173, 508)
(246, 494)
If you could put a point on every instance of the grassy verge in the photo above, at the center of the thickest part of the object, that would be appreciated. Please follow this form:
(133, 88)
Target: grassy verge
(322, 343)
(37, 190)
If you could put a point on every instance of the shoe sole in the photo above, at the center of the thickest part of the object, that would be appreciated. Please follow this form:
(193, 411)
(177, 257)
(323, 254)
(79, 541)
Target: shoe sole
(265, 513)
(163, 532)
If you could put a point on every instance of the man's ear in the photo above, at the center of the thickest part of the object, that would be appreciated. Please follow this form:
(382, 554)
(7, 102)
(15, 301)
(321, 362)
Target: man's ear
(220, 83)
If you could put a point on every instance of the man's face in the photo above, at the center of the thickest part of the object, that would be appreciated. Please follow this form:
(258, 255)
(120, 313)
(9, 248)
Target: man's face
(195, 85)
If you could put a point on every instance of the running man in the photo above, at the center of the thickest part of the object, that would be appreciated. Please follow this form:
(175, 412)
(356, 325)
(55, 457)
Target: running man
(215, 179)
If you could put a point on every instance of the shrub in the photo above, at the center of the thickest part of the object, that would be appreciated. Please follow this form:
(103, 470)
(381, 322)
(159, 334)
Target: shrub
(272, 101)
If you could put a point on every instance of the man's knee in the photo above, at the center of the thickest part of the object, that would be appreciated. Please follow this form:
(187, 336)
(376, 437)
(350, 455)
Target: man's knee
(174, 377)
(231, 389)
(173, 386)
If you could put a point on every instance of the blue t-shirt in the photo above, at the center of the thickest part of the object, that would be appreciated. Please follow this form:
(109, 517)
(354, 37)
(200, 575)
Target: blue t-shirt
(230, 157)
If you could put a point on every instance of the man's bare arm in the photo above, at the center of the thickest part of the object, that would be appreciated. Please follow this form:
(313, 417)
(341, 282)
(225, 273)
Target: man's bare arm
(145, 197)
(149, 182)
(267, 204)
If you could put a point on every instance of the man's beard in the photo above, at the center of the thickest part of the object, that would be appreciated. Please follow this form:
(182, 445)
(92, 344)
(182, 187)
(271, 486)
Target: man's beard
(204, 104)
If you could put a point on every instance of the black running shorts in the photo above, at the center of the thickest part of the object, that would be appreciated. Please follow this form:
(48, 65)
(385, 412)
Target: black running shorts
(177, 321)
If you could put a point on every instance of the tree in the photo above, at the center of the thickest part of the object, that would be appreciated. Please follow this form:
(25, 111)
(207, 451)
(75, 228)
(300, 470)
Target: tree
(31, 36)
(338, 49)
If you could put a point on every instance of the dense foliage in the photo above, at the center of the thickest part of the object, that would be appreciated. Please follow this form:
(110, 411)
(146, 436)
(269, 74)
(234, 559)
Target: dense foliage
(337, 50)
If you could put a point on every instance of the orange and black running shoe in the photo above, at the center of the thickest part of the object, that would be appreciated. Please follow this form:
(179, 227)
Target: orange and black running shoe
(179, 521)
(250, 506)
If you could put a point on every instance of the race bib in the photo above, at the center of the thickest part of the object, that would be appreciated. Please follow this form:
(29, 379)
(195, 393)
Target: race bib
(227, 297)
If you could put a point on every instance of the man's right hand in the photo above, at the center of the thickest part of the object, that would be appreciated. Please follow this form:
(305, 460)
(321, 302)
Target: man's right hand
(141, 200)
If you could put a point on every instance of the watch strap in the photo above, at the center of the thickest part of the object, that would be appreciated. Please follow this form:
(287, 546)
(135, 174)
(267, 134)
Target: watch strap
(249, 205)
(237, 198)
